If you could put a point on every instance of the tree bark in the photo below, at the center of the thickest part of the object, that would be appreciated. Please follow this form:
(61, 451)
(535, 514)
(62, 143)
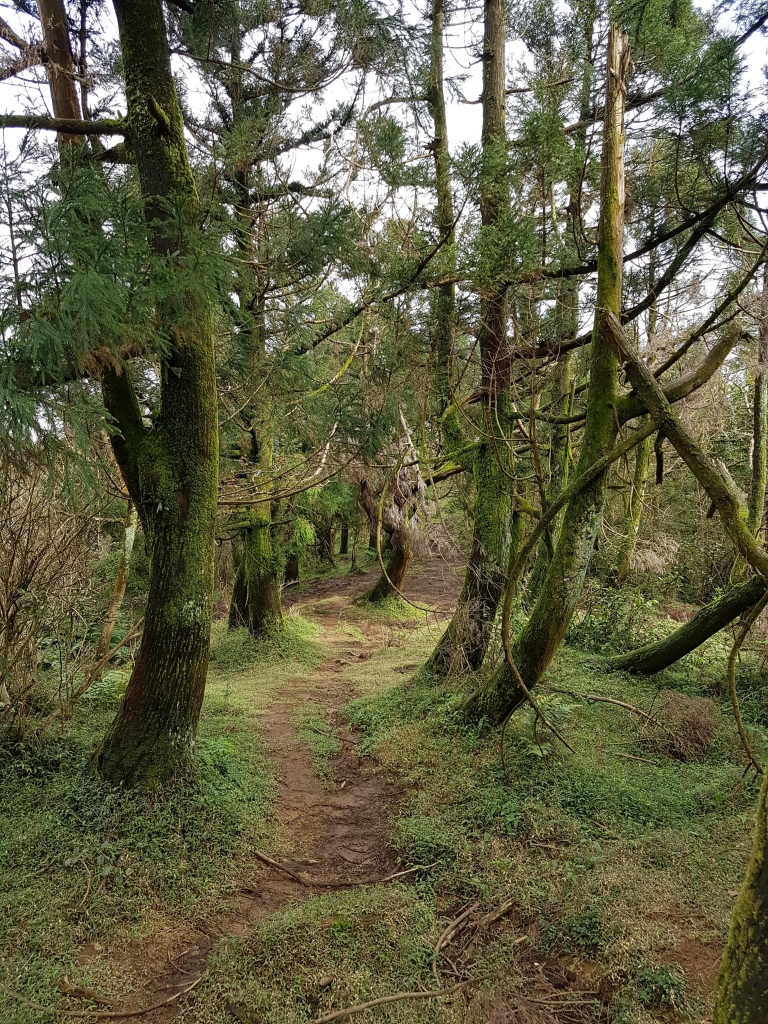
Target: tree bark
(707, 621)
(326, 541)
(121, 581)
(633, 510)
(59, 66)
(742, 988)
(344, 540)
(554, 608)
(464, 644)
(391, 584)
(171, 470)
(255, 600)
(756, 504)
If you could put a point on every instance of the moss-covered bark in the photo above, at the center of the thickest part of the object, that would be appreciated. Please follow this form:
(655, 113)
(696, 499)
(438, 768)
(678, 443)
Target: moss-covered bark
(554, 608)
(465, 642)
(634, 497)
(121, 581)
(560, 454)
(171, 470)
(391, 584)
(742, 988)
(757, 490)
(708, 620)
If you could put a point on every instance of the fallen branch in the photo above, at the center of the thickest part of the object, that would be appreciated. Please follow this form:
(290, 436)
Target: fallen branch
(100, 1013)
(618, 704)
(66, 988)
(633, 757)
(326, 883)
(448, 933)
(397, 997)
(281, 867)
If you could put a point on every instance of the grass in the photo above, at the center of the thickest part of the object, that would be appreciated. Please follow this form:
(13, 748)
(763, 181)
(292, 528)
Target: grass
(314, 730)
(621, 870)
(86, 867)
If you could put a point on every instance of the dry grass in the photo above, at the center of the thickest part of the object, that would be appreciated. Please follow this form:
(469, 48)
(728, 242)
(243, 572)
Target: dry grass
(691, 726)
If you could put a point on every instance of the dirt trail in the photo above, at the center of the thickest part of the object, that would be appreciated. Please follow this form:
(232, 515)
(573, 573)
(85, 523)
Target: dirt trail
(339, 829)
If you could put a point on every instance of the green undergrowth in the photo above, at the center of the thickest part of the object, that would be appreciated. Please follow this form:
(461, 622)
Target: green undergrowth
(392, 609)
(294, 641)
(313, 729)
(337, 950)
(90, 868)
(620, 863)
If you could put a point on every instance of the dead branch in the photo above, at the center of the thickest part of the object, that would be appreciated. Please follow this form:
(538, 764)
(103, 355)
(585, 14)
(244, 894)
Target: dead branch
(397, 997)
(101, 1013)
(618, 704)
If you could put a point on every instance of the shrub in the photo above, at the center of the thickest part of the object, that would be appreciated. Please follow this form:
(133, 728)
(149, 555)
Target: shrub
(692, 725)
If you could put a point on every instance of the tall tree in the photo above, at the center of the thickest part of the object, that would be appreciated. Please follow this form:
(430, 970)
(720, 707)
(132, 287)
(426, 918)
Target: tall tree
(465, 642)
(553, 610)
(171, 471)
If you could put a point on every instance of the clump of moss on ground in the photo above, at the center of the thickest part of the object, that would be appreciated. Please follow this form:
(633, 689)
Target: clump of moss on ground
(295, 640)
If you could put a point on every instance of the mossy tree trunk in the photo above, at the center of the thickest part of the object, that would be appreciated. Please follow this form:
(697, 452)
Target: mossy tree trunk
(756, 503)
(560, 390)
(391, 530)
(742, 988)
(560, 453)
(255, 600)
(344, 540)
(633, 509)
(443, 297)
(121, 582)
(391, 584)
(171, 470)
(705, 623)
(464, 644)
(554, 608)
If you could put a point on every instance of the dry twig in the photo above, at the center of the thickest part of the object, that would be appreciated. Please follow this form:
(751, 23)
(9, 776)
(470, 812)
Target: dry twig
(397, 997)
(101, 1013)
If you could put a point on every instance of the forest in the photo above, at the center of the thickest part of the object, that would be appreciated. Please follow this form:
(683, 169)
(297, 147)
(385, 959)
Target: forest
(383, 471)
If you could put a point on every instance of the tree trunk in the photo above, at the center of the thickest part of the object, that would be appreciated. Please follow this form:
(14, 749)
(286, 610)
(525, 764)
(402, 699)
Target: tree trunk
(633, 509)
(344, 540)
(121, 581)
(465, 642)
(708, 621)
(256, 595)
(391, 585)
(442, 298)
(554, 608)
(756, 504)
(560, 448)
(59, 67)
(326, 541)
(463, 646)
(171, 471)
(742, 989)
